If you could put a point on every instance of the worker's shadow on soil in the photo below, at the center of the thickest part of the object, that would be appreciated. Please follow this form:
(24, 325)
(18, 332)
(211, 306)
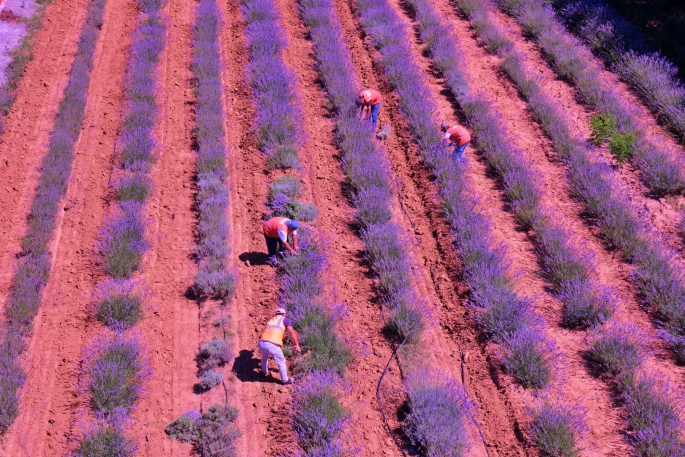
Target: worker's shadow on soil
(246, 368)
(254, 258)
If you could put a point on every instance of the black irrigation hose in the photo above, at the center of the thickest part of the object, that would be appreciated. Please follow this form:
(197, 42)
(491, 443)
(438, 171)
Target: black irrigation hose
(378, 397)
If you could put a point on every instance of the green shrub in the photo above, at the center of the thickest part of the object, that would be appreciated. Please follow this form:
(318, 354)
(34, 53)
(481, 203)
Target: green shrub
(602, 126)
(621, 145)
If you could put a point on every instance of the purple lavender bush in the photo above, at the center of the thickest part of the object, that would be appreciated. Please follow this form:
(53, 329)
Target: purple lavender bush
(123, 241)
(439, 409)
(136, 187)
(557, 427)
(318, 418)
(213, 433)
(106, 437)
(33, 268)
(119, 303)
(618, 349)
(273, 86)
(660, 172)
(115, 369)
(301, 294)
(214, 278)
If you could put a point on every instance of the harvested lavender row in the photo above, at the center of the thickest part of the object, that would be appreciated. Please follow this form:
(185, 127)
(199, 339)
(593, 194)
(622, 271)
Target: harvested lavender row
(437, 404)
(623, 48)
(661, 285)
(33, 268)
(506, 317)
(21, 56)
(660, 172)
(214, 278)
(585, 301)
(273, 85)
(115, 366)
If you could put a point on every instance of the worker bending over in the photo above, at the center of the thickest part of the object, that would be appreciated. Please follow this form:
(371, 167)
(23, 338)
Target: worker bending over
(459, 137)
(271, 342)
(369, 101)
(276, 231)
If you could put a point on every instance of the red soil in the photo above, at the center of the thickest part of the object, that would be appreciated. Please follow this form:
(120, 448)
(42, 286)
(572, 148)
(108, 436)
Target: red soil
(50, 401)
(177, 325)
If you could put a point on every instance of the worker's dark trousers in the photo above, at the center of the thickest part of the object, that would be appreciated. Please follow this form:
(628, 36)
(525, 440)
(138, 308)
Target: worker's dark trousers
(374, 113)
(273, 245)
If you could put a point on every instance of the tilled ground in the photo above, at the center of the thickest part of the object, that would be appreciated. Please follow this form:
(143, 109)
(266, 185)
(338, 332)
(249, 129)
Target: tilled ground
(177, 324)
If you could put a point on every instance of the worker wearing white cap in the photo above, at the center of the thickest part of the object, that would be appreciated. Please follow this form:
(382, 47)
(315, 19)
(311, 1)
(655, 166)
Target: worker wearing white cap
(271, 342)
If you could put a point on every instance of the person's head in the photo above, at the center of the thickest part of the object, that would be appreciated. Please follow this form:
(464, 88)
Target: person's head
(280, 312)
(444, 127)
(292, 225)
(359, 101)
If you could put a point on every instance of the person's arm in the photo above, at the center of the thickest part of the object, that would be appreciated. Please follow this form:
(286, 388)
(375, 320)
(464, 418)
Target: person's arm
(293, 335)
(295, 242)
(288, 247)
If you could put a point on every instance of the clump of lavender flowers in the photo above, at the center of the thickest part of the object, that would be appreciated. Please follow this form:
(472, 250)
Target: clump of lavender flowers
(119, 303)
(558, 427)
(213, 433)
(439, 409)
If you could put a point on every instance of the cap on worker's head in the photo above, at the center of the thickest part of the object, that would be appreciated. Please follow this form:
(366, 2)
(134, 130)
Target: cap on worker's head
(293, 224)
(280, 311)
(444, 126)
(359, 101)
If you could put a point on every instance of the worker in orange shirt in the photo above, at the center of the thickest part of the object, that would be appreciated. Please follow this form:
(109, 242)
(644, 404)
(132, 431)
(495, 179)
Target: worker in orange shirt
(459, 137)
(271, 344)
(369, 102)
(276, 231)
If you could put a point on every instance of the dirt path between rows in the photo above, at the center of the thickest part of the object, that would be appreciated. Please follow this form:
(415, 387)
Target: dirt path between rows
(170, 327)
(24, 140)
(50, 400)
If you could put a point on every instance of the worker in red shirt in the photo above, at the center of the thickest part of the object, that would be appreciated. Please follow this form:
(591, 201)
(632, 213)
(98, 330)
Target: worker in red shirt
(457, 135)
(276, 231)
(271, 343)
(369, 102)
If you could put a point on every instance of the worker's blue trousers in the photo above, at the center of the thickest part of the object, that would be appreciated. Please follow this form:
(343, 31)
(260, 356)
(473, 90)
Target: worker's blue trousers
(459, 152)
(374, 113)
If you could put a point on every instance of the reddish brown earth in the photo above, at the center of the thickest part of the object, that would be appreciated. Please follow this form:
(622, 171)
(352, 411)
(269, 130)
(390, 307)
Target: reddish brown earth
(50, 401)
(23, 142)
(177, 324)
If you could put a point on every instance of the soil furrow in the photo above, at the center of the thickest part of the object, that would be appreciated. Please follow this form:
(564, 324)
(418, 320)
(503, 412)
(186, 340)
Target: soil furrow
(50, 398)
(170, 327)
(24, 140)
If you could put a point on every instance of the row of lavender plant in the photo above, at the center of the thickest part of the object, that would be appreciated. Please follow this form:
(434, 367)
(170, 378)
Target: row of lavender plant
(212, 433)
(33, 268)
(661, 172)
(623, 48)
(509, 319)
(318, 417)
(591, 186)
(438, 405)
(214, 278)
(115, 365)
(661, 285)
(21, 56)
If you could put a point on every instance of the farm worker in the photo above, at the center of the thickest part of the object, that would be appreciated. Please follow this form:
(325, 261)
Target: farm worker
(457, 135)
(276, 231)
(271, 342)
(369, 101)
